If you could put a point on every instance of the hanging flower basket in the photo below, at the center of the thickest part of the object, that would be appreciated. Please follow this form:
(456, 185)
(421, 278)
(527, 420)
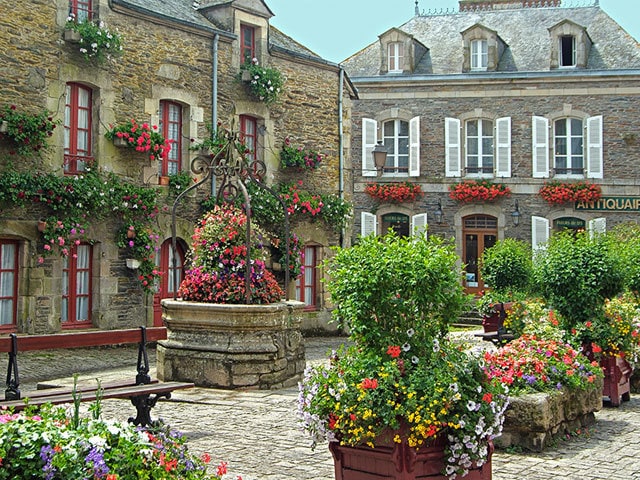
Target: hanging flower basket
(4, 126)
(558, 193)
(396, 192)
(478, 191)
(142, 137)
(120, 142)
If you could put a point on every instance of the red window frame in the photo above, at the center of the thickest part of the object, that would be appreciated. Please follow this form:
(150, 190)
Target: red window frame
(170, 271)
(81, 9)
(249, 134)
(247, 43)
(308, 279)
(71, 269)
(14, 293)
(76, 157)
(171, 129)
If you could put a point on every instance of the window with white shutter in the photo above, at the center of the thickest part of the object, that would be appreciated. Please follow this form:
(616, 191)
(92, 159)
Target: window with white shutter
(540, 147)
(414, 147)
(597, 225)
(369, 133)
(452, 147)
(594, 147)
(419, 224)
(503, 147)
(539, 232)
(368, 224)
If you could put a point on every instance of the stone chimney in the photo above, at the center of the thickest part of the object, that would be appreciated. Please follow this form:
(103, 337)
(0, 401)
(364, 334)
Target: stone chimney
(470, 5)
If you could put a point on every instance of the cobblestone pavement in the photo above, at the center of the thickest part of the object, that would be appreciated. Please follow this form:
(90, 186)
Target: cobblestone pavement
(256, 431)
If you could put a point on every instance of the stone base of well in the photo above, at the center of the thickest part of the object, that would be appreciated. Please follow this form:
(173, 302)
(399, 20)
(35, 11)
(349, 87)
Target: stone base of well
(232, 346)
(534, 420)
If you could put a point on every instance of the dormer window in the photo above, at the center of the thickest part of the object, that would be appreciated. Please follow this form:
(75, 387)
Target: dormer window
(395, 57)
(567, 51)
(479, 55)
(247, 43)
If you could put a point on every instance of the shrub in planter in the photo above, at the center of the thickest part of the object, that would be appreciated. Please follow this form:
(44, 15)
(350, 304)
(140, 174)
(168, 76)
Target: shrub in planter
(507, 265)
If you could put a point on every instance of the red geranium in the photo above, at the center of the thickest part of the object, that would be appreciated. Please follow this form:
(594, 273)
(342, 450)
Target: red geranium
(557, 193)
(478, 191)
(395, 192)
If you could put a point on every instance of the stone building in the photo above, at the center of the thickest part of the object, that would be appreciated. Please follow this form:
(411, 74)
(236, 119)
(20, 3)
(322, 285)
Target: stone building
(514, 94)
(180, 70)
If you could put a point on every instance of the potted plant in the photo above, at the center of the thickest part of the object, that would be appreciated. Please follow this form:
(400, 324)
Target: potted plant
(265, 83)
(558, 193)
(28, 132)
(297, 157)
(478, 191)
(394, 192)
(403, 402)
(140, 136)
(95, 40)
(56, 442)
(141, 250)
(179, 182)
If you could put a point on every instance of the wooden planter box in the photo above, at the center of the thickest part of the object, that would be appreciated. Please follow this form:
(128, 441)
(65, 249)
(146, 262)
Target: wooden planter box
(398, 461)
(491, 323)
(617, 380)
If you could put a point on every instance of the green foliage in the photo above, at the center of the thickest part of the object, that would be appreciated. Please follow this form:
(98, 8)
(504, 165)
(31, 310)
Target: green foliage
(385, 286)
(179, 182)
(576, 273)
(265, 83)
(28, 132)
(507, 265)
(298, 157)
(97, 42)
(626, 243)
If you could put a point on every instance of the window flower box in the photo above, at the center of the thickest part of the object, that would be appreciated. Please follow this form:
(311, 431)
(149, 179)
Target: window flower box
(264, 83)
(396, 192)
(142, 137)
(95, 41)
(478, 191)
(72, 36)
(120, 142)
(558, 193)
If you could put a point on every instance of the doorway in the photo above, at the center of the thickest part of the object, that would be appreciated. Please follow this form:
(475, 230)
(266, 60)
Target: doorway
(479, 232)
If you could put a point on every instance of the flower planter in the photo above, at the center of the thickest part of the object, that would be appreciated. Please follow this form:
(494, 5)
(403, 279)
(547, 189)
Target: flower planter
(491, 323)
(246, 75)
(42, 225)
(72, 36)
(133, 263)
(534, 420)
(232, 346)
(398, 461)
(163, 180)
(4, 126)
(120, 142)
(617, 375)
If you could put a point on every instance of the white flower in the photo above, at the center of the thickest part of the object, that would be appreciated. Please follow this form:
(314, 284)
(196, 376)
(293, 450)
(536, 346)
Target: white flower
(410, 332)
(406, 347)
(415, 360)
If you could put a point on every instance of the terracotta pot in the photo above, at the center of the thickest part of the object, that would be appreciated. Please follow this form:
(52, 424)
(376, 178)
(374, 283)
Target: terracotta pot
(131, 234)
(163, 180)
(42, 225)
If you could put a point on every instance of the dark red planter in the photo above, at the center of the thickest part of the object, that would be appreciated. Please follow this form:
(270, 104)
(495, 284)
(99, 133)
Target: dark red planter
(491, 323)
(617, 373)
(398, 461)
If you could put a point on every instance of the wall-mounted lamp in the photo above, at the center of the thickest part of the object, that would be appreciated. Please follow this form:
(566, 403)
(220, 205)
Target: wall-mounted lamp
(515, 215)
(439, 214)
(379, 156)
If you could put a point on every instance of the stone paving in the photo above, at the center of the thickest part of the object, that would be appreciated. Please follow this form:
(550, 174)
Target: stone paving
(256, 431)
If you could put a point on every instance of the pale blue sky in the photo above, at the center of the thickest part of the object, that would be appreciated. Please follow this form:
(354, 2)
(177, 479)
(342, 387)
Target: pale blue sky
(336, 29)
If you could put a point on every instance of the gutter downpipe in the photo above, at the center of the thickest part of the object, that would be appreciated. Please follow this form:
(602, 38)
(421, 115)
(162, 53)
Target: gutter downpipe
(214, 99)
(341, 146)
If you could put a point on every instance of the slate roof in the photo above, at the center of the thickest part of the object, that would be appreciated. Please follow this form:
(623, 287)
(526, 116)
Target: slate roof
(524, 30)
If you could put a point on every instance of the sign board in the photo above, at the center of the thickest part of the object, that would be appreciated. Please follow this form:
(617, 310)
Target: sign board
(611, 204)
(569, 222)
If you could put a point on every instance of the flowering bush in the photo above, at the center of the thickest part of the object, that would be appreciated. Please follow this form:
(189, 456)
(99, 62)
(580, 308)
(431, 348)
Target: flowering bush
(218, 261)
(299, 158)
(530, 364)
(29, 132)
(402, 373)
(331, 208)
(141, 243)
(142, 137)
(56, 444)
(96, 40)
(478, 191)
(265, 83)
(396, 192)
(557, 193)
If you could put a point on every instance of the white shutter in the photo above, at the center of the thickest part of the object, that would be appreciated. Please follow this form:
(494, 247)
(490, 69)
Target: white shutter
(503, 147)
(594, 147)
(452, 147)
(369, 133)
(597, 225)
(540, 147)
(419, 224)
(368, 224)
(539, 232)
(414, 147)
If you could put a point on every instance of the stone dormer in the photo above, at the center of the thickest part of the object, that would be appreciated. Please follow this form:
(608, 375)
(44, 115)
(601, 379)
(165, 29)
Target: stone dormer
(248, 19)
(482, 49)
(400, 52)
(570, 45)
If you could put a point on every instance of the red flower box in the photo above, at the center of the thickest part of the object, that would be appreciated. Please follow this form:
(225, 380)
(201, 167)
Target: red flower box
(557, 193)
(396, 192)
(478, 191)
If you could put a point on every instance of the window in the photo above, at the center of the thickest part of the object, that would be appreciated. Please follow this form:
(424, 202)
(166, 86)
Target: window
(395, 136)
(307, 282)
(568, 147)
(247, 43)
(396, 54)
(479, 55)
(76, 287)
(171, 129)
(172, 275)
(248, 132)
(402, 140)
(479, 233)
(80, 9)
(567, 51)
(479, 135)
(77, 128)
(8, 282)
(400, 223)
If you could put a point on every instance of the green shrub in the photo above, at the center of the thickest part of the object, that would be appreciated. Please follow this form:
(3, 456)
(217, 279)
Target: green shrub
(626, 242)
(507, 265)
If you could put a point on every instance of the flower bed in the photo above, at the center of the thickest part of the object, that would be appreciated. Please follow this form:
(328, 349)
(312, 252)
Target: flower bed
(396, 192)
(478, 191)
(558, 193)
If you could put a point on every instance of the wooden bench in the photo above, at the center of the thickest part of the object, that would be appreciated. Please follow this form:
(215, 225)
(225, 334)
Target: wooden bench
(142, 390)
(500, 335)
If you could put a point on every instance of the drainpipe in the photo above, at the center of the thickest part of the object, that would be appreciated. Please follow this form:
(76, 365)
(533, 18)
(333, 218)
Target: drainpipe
(341, 152)
(214, 98)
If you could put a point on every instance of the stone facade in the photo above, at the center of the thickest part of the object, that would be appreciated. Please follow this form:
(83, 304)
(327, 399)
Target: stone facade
(171, 53)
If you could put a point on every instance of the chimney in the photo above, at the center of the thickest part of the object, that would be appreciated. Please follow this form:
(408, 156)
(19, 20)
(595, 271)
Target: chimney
(471, 5)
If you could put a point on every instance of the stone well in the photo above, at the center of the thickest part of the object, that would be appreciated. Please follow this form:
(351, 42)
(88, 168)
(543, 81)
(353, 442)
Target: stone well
(232, 346)
(534, 420)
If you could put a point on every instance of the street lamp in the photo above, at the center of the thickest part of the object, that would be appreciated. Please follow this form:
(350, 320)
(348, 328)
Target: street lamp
(515, 215)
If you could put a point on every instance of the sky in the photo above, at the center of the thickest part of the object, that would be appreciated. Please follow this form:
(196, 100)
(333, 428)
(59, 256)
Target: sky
(336, 29)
